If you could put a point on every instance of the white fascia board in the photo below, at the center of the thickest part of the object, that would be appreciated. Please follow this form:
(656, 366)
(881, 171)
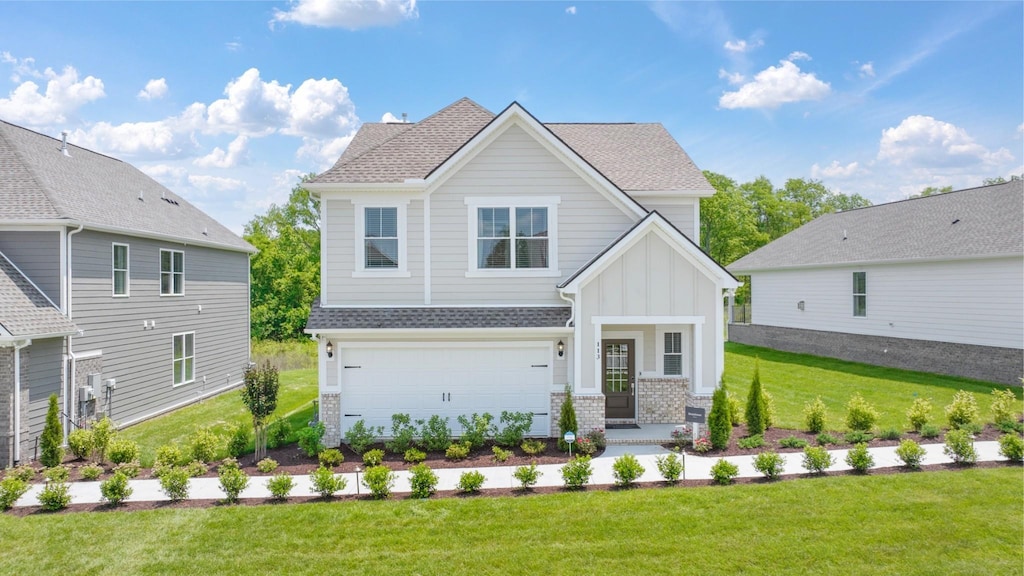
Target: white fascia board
(685, 193)
(162, 237)
(345, 189)
(434, 333)
(857, 263)
(673, 320)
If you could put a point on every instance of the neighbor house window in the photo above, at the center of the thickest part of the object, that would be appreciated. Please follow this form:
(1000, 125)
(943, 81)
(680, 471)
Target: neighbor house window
(184, 358)
(507, 237)
(673, 359)
(172, 273)
(380, 240)
(120, 268)
(860, 293)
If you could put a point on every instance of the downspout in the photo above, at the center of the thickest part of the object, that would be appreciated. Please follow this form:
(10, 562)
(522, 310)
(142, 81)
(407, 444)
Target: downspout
(575, 340)
(17, 399)
(70, 378)
(572, 308)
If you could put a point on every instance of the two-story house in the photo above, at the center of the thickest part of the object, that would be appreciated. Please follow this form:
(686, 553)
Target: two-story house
(115, 293)
(474, 262)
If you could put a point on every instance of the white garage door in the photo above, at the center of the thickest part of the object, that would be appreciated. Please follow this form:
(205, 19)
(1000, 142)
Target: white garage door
(449, 380)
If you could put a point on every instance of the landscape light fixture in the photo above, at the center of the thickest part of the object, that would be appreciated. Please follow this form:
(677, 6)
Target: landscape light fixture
(561, 348)
(330, 349)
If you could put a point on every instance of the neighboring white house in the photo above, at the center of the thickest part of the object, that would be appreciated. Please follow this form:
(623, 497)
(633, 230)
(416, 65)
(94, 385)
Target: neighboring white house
(474, 262)
(933, 284)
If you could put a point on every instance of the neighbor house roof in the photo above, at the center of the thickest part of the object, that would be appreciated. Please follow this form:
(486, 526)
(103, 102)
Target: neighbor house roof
(40, 183)
(972, 223)
(634, 157)
(24, 310)
(399, 318)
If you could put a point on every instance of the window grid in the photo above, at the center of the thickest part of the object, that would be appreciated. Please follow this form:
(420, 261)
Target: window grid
(494, 239)
(119, 265)
(172, 273)
(184, 358)
(860, 294)
(673, 357)
(380, 238)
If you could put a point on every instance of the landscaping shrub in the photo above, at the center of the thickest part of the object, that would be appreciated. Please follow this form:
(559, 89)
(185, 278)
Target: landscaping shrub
(860, 414)
(476, 429)
(735, 409)
(566, 420)
(232, 481)
(817, 459)
(24, 472)
(626, 469)
(260, 385)
(102, 433)
(1004, 408)
(238, 441)
(824, 439)
(280, 486)
(930, 431)
(963, 410)
(577, 472)
(527, 475)
(267, 465)
(278, 432)
(584, 446)
(858, 437)
(670, 467)
(129, 469)
(51, 453)
(91, 471)
(792, 442)
(457, 451)
(890, 434)
(422, 480)
(597, 436)
(123, 450)
(196, 468)
(414, 456)
(325, 482)
(719, 424)
(750, 442)
(402, 433)
(702, 444)
(534, 447)
(57, 474)
(80, 443)
(500, 455)
(1012, 447)
(435, 434)
(723, 471)
(515, 425)
(859, 458)
(373, 457)
(360, 436)
(973, 428)
(769, 463)
(330, 457)
(911, 453)
(682, 436)
(757, 409)
(11, 489)
(311, 438)
(919, 413)
(769, 410)
(814, 416)
(379, 480)
(960, 447)
(203, 445)
(55, 496)
(169, 455)
(470, 481)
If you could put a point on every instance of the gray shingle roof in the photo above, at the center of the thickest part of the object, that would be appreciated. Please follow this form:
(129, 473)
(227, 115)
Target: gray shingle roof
(632, 156)
(38, 182)
(976, 222)
(454, 317)
(24, 311)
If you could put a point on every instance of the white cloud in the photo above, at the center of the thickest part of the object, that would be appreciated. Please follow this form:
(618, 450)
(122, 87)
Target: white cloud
(64, 94)
(233, 46)
(325, 152)
(321, 108)
(798, 55)
(571, 10)
(154, 90)
(389, 118)
(742, 46)
(775, 86)
(867, 70)
(1020, 129)
(208, 183)
(834, 170)
(158, 139)
(236, 154)
(731, 77)
(251, 107)
(350, 14)
(923, 141)
(22, 67)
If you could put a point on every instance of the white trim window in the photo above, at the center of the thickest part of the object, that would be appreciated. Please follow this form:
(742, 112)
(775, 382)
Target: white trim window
(184, 358)
(172, 272)
(380, 240)
(674, 350)
(119, 270)
(515, 236)
(860, 294)
(672, 359)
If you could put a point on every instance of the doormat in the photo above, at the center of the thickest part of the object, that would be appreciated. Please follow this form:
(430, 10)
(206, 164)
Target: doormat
(621, 427)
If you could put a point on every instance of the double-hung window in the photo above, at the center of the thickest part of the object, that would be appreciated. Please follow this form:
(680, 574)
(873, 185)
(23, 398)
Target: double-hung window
(172, 273)
(673, 354)
(380, 240)
(119, 265)
(860, 294)
(184, 358)
(512, 236)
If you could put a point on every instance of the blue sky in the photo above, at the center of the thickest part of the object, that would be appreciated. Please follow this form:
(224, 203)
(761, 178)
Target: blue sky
(227, 103)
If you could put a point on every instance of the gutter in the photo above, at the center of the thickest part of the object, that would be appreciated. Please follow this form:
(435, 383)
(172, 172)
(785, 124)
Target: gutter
(17, 398)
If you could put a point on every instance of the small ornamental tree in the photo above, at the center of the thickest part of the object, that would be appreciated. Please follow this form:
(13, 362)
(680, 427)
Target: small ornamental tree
(50, 443)
(566, 420)
(757, 407)
(719, 422)
(260, 397)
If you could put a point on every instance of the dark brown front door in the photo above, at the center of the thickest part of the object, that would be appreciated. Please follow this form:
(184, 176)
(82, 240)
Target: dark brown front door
(619, 399)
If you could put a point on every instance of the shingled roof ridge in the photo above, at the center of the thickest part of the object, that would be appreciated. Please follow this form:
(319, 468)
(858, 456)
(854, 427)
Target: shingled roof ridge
(56, 206)
(939, 195)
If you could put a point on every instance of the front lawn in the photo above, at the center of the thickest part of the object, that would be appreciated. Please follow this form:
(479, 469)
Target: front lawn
(796, 379)
(965, 522)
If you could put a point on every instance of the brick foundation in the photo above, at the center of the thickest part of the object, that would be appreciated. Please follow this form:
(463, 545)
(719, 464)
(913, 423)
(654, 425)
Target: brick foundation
(330, 415)
(589, 412)
(661, 400)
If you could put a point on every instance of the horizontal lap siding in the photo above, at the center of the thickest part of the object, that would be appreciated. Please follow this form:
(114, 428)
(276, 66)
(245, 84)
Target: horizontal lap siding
(680, 215)
(43, 378)
(969, 302)
(141, 359)
(37, 254)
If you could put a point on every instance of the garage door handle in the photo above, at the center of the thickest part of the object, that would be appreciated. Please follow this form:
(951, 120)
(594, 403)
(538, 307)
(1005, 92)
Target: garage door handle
(538, 365)
(352, 415)
(353, 366)
(540, 413)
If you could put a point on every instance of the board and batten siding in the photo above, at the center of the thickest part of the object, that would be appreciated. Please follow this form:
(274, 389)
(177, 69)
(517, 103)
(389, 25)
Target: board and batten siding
(140, 359)
(977, 302)
(42, 376)
(37, 254)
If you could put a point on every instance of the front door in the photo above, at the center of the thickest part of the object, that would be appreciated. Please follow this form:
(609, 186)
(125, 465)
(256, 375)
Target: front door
(619, 397)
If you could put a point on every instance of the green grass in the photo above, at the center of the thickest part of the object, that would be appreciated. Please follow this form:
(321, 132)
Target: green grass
(224, 411)
(796, 379)
(966, 522)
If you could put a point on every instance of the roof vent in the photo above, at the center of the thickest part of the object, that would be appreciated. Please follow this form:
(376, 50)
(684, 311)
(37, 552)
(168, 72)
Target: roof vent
(64, 143)
(140, 196)
(166, 198)
(844, 234)
(405, 117)
(955, 221)
(206, 232)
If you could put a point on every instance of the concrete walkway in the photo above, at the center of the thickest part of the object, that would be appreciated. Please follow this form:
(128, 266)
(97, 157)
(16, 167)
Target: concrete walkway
(697, 467)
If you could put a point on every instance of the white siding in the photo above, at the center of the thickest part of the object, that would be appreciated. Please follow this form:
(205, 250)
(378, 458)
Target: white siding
(977, 302)
(678, 212)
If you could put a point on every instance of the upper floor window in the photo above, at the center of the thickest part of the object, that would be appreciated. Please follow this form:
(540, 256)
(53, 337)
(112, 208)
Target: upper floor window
(380, 240)
(513, 236)
(184, 358)
(119, 265)
(172, 273)
(860, 293)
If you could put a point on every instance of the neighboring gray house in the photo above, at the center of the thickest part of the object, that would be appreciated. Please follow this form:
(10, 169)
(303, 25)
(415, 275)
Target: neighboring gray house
(473, 262)
(933, 284)
(115, 293)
